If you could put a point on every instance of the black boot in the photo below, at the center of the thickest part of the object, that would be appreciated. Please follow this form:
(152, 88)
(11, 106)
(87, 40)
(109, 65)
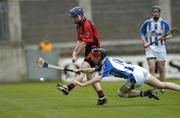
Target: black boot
(152, 94)
(63, 88)
(101, 101)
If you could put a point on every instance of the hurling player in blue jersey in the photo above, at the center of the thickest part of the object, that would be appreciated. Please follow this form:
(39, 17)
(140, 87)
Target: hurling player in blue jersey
(152, 30)
(135, 76)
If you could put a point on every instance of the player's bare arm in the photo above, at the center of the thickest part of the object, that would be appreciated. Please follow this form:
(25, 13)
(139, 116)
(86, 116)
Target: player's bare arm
(166, 37)
(169, 34)
(145, 44)
(77, 50)
(90, 82)
(86, 70)
(81, 47)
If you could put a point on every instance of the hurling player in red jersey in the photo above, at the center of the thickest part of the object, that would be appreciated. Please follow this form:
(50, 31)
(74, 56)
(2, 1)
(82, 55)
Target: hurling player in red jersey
(87, 39)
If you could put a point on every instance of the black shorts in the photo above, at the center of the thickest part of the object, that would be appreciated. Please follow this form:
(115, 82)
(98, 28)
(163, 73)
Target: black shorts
(88, 56)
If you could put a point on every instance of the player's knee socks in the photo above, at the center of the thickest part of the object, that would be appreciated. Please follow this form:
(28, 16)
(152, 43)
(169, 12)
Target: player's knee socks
(144, 93)
(100, 93)
(70, 86)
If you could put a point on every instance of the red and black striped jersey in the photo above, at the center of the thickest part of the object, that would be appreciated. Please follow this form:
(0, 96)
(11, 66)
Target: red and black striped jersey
(86, 32)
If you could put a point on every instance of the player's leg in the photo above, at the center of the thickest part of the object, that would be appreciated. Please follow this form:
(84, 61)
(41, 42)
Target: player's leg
(152, 65)
(101, 97)
(96, 86)
(161, 60)
(126, 92)
(151, 60)
(161, 67)
(140, 75)
(152, 81)
(67, 88)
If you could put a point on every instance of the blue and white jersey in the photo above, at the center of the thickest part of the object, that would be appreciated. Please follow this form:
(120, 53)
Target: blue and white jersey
(117, 68)
(153, 30)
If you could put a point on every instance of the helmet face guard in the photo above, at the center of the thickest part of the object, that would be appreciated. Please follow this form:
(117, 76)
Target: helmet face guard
(99, 52)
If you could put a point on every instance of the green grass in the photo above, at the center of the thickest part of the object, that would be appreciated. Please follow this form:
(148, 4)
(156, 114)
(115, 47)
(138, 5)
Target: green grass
(42, 100)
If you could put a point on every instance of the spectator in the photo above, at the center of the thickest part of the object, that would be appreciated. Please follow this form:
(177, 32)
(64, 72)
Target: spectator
(46, 45)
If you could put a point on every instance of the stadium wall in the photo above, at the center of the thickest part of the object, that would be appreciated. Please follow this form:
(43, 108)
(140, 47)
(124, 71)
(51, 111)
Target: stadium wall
(117, 22)
(115, 19)
(34, 73)
(13, 63)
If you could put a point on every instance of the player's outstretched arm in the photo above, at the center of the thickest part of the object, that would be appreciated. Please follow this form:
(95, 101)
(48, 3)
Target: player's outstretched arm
(90, 82)
(86, 70)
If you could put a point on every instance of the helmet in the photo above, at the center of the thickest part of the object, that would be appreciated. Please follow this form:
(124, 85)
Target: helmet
(156, 7)
(75, 11)
(99, 52)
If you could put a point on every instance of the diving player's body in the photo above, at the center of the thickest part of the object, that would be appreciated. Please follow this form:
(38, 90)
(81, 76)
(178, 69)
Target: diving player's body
(135, 76)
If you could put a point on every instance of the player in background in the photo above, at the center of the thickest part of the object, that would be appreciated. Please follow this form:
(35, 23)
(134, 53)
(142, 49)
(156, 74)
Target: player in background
(87, 39)
(135, 76)
(152, 30)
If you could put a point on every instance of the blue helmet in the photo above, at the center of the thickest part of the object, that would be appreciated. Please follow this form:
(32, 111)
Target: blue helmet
(75, 11)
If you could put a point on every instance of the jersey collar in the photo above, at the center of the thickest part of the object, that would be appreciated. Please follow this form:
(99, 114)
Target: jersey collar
(83, 21)
(104, 60)
(157, 21)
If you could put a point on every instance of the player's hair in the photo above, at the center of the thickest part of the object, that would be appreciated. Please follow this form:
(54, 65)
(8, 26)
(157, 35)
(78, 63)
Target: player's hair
(157, 7)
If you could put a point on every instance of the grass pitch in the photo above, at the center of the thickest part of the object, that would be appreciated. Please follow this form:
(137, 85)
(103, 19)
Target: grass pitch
(43, 100)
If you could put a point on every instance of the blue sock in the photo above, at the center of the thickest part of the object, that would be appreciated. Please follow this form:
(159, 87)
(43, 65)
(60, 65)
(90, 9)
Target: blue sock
(144, 93)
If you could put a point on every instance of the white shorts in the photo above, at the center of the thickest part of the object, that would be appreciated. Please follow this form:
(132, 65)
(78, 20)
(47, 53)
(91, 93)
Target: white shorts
(141, 75)
(158, 53)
